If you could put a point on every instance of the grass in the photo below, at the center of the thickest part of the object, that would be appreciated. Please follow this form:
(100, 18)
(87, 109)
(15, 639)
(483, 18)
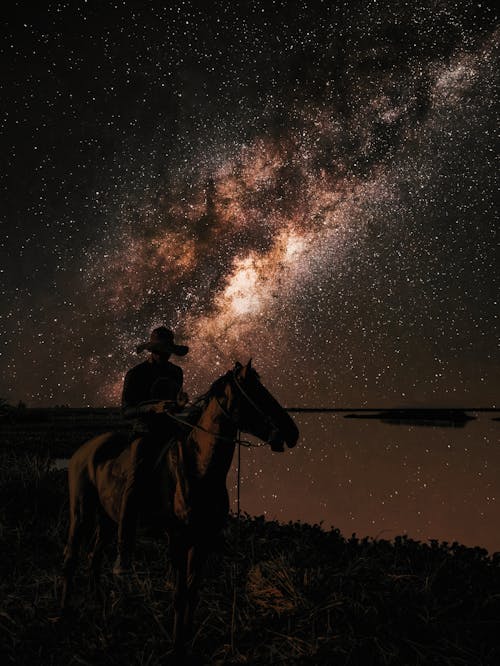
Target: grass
(274, 593)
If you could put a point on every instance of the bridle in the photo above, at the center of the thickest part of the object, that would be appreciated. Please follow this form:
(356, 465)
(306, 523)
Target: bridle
(253, 404)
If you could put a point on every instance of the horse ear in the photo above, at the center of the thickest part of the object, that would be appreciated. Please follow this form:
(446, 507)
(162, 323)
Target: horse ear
(244, 370)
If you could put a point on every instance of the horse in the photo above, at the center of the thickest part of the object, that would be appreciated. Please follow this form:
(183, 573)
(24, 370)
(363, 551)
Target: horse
(186, 492)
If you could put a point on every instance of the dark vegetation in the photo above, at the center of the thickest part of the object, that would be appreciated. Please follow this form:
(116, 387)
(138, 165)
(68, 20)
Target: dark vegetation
(273, 593)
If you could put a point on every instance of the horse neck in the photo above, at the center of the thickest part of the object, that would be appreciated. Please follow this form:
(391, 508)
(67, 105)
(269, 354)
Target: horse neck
(214, 440)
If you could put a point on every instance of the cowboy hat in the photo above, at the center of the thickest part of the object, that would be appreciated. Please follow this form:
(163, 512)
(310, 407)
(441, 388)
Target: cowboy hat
(162, 341)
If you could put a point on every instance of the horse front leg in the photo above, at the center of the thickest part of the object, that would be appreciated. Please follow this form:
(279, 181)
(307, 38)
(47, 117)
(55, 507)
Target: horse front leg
(179, 557)
(196, 557)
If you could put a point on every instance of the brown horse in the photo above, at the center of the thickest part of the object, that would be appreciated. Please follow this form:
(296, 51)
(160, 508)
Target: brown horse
(186, 491)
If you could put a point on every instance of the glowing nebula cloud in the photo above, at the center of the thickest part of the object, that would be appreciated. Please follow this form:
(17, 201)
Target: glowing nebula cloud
(224, 263)
(308, 223)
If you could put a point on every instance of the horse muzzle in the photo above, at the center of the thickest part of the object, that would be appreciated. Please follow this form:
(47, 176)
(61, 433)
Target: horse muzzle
(277, 439)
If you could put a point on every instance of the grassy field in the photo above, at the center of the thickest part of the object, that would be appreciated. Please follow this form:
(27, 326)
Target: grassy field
(273, 594)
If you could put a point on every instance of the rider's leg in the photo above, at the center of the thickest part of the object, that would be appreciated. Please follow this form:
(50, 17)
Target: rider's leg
(129, 508)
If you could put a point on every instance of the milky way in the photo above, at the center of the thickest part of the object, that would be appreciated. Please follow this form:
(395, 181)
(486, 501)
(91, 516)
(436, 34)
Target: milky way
(322, 191)
(309, 185)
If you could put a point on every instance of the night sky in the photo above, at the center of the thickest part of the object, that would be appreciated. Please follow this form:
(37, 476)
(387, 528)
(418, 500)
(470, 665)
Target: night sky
(311, 184)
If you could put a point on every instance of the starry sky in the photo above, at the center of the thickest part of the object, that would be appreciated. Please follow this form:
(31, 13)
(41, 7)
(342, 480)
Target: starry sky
(311, 184)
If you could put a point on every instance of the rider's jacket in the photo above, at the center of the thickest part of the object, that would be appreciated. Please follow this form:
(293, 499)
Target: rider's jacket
(149, 382)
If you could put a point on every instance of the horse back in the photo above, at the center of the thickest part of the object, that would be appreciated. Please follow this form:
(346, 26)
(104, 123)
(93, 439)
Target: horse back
(95, 452)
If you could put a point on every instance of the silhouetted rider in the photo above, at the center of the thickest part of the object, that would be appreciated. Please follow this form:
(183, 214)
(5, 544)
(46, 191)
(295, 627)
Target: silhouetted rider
(150, 389)
(154, 385)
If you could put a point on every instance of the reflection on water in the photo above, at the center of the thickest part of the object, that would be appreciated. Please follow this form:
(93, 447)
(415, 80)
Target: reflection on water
(60, 463)
(382, 480)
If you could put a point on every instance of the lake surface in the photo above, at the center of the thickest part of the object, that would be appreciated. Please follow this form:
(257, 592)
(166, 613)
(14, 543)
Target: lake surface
(383, 480)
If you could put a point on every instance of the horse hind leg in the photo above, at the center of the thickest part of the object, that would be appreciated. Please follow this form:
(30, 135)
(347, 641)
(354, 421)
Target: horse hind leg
(101, 538)
(80, 517)
(71, 555)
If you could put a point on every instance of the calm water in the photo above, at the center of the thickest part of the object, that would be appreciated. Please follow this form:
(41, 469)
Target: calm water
(382, 480)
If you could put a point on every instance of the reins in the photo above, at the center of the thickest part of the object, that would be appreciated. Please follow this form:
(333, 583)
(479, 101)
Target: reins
(195, 426)
(234, 440)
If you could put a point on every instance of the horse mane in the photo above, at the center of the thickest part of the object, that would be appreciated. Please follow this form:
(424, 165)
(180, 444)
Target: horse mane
(217, 387)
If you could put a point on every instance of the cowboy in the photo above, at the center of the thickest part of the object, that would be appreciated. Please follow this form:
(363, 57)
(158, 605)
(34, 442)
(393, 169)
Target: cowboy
(151, 389)
(154, 385)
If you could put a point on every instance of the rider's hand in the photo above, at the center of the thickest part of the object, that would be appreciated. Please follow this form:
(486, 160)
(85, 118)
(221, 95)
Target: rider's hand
(161, 407)
(182, 399)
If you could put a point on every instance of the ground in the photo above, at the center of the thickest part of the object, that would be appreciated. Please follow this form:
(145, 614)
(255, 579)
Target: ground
(273, 593)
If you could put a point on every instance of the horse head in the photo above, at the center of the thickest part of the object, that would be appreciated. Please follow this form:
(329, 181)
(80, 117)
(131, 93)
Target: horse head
(256, 411)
